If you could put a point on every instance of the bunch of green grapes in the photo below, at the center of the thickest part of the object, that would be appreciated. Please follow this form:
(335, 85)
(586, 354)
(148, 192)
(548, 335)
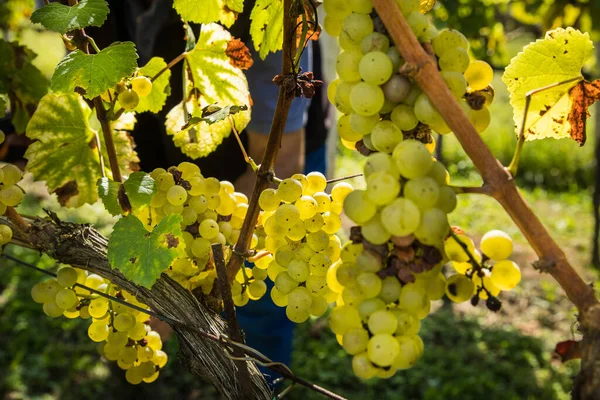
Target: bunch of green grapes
(481, 274)
(383, 293)
(370, 91)
(11, 195)
(299, 221)
(212, 212)
(129, 93)
(124, 332)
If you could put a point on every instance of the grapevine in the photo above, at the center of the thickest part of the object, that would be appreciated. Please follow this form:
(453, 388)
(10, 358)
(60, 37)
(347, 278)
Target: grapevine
(187, 246)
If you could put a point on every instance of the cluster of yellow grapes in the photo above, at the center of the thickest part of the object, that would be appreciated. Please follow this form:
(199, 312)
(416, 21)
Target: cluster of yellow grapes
(211, 211)
(299, 221)
(481, 274)
(374, 96)
(125, 333)
(11, 195)
(129, 93)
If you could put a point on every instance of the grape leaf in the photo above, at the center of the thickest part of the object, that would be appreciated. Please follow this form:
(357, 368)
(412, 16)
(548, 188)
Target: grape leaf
(215, 82)
(266, 27)
(108, 191)
(161, 89)
(224, 11)
(140, 187)
(62, 19)
(557, 58)
(95, 73)
(65, 148)
(141, 255)
(212, 114)
(582, 95)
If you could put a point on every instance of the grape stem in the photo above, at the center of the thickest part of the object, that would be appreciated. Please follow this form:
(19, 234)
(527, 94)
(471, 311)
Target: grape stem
(265, 173)
(247, 158)
(16, 219)
(169, 65)
(258, 256)
(514, 164)
(113, 160)
(483, 189)
(464, 246)
(343, 178)
(243, 375)
(503, 189)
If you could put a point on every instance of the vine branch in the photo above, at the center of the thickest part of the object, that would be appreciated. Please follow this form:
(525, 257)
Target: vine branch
(113, 160)
(266, 169)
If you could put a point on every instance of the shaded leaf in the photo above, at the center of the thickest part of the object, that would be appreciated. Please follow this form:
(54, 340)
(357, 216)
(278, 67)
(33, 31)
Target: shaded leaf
(95, 73)
(62, 19)
(108, 190)
(558, 57)
(65, 147)
(224, 11)
(142, 255)
(140, 187)
(266, 27)
(212, 114)
(161, 89)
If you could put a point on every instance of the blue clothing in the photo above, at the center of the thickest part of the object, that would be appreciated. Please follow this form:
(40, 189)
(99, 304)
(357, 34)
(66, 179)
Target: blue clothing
(264, 92)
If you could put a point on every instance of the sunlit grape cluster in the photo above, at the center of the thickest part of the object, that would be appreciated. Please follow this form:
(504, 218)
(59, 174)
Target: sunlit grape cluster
(299, 221)
(375, 98)
(212, 212)
(481, 274)
(11, 195)
(124, 333)
(129, 93)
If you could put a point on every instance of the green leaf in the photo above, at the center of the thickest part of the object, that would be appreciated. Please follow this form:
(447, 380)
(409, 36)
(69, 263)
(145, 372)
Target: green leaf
(216, 82)
(140, 187)
(224, 11)
(95, 73)
(266, 27)
(108, 191)
(212, 114)
(556, 58)
(161, 89)
(62, 19)
(65, 152)
(142, 255)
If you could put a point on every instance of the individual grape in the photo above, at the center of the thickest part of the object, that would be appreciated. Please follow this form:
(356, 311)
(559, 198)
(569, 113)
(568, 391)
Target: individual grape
(369, 306)
(145, 353)
(484, 281)
(438, 173)
(434, 227)
(390, 289)
(355, 341)
(423, 191)
(317, 285)
(98, 307)
(401, 217)
(11, 195)
(362, 124)
(298, 270)
(160, 358)
(134, 375)
(66, 276)
(332, 222)
(318, 241)
(208, 229)
(340, 190)
(285, 283)
(241, 300)
(338, 8)
(343, 318)
(280, 299)
(124, 322)
(412, 158)
(396, 88)
(39, 293)
(358, 207)
(352, 296)
(287, 215)
(409, 353)
(141, 85)
(459, 288)
(269, 200)
(408, 324)
(332, 89)
(479, 75)
(497, 245)
(413, 298)
(318, 263)
(347, 66)
(418, 23)
(375, 68)
(448, 39)
(257, 289)
(128, 99)
(382, 349)
(289, 190)
(98, 331)
(332, 25)
(455, 60)
(361, 6)
(318, 306)
(176, 195)
(404, 117)
(395, 58)
(346, 42)
(387, 106)
(375, 42)
(128, 355)
(342, 97)
(357, 26)
(369, 284)
(201, 247)
(362, 366)
(138, 331)
(456, 83)
(52, 309)
(480, 119)
(316, 181)
(408, 6)
(506, 275)
(382, 322)
(385, 136)
(380, 162)
(428, 114)
(11, 174)
(455, 251)
(366, 99)
(314, 223)
(66, 299)
(374, 231)
(299, 299)
(345, 130)
(382, 188)
(446, 200)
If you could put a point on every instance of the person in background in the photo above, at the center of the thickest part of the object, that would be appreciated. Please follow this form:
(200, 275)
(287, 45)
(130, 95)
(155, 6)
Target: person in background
(157, 31)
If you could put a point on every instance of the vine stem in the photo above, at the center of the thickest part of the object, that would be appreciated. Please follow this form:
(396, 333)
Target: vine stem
(108, 140)
(265, 171)
(484, 189)
(169, 66)
(495, 175)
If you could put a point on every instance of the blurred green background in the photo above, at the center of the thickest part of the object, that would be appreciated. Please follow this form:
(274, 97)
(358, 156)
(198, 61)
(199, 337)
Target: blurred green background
(470, 353)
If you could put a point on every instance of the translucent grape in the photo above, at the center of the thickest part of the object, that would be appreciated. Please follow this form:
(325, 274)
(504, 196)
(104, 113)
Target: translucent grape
(412, 158)
(257, 289)
(318, 241)
(375, 68)
(316, 182)
(285, 283)
(362, 124)
(446, 200)
(428, 114)
(381, 162)
(323, 201)
(298, 270)
(357, 26)
(375, 42)
(11, 195)
(332, 222)
(66, 299)
(319, 263)
(456, 83)
(289, 190)
(418, 23)
(346, 131)
(338, 8)
(344, 318)
(98, 307)
(455, 251)
(385, 136)
(124, 322)
(497, 245)
(366, 99)
(506, 275)
(480, 119)
(355, 341)
(347, 66)
(459, 288)
(390, 289)
(332, 25)
(479, 75)
(362, 366)
(401, 217)
(396, 88)
(128, 99)
(455, 59)
(413, 298)
(141, 85)
(98, 331)
(395, 57)
(39, 293)
(208, 229)
(66, 276)
(342, 97)
(383, 349)
(314, 223)
(409, 353)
